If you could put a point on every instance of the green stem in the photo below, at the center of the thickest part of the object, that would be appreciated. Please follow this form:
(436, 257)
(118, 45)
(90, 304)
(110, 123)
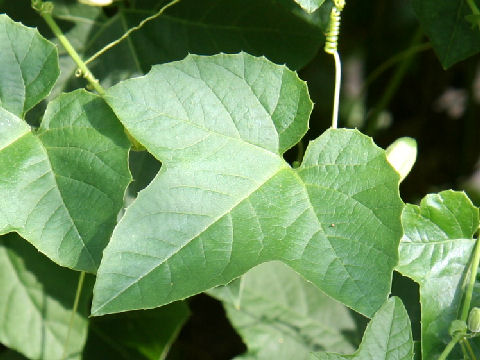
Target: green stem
(74, 311)
(131, 30)
(392, 87)
(471, 354)
(45, 9)
(474, 9)
(448, 349)
(473, 276)
(405, 54)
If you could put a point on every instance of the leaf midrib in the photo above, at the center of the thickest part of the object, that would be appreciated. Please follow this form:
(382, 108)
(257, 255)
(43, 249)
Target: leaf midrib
(282, 166)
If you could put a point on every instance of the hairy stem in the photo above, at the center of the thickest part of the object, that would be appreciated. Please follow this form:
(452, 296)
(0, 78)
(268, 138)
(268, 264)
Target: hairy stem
(74, 312)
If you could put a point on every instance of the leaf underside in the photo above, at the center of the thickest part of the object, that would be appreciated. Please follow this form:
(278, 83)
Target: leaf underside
(435, 252)
(281, 316)
(225, 200)
(35, 310)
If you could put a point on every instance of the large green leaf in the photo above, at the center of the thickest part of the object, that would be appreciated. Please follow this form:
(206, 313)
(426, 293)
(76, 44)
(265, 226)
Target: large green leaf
(137, 334)
(435, 252)
(310, 5)
(36, 303)
(388, 336)
(62, 187)
(445, 23)
(225, 200)
(281, 316)
(28, 67)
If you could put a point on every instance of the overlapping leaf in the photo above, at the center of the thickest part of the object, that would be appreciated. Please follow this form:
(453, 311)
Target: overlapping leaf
(435, 252)
(259, 27)
(225, 201)
(62, 187)
(28, 67)
(281, 316)
(136, 335)
(453, 37)
(36, 303)
(388, 336)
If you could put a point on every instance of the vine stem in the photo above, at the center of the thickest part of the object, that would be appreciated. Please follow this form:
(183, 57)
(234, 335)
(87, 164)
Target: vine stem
(475, 10)
(338, 81)
(450, 346)
(469, 349)
(473, 275)
(131, 30)
(45, 13)
(74, 312)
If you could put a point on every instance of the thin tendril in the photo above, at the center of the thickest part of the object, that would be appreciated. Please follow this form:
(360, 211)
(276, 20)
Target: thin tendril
(131, 30)
(338, 81)
(331, 47)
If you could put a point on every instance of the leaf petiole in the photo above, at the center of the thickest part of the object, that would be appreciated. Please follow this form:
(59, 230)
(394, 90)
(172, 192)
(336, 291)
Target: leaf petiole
(74, 311)
(45, 11)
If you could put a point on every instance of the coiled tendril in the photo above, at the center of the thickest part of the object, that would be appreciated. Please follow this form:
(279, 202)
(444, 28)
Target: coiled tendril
(331, 42)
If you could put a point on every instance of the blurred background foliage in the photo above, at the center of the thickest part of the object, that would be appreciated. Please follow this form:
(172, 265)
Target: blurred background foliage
(401, 77)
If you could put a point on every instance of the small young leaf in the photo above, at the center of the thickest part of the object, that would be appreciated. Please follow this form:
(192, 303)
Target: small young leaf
(435, 252)
(225, 200)
(310, 5)
(388, 336)
(62, 187)
(28, 67)
(293, 316)
(401, 154)
(36, 303)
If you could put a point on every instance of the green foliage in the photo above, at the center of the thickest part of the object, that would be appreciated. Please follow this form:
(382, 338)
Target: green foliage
(36, 303)
(388, 336)
(281, 316)
(435, 252)
(29, 67)
(214, 199)
(63, 185)
(453, 37)
(227, 216)
(136, 335)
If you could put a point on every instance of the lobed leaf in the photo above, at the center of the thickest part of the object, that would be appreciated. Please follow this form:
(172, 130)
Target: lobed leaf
(435, 252)
(35, 310)
(388, 336)
(452, 36)
(28, 67)
(225, 201)
(281, 316)
(62, 186)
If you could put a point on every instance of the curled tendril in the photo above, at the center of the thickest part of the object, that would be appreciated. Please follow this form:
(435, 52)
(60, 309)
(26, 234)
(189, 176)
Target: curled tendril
(42, 7)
